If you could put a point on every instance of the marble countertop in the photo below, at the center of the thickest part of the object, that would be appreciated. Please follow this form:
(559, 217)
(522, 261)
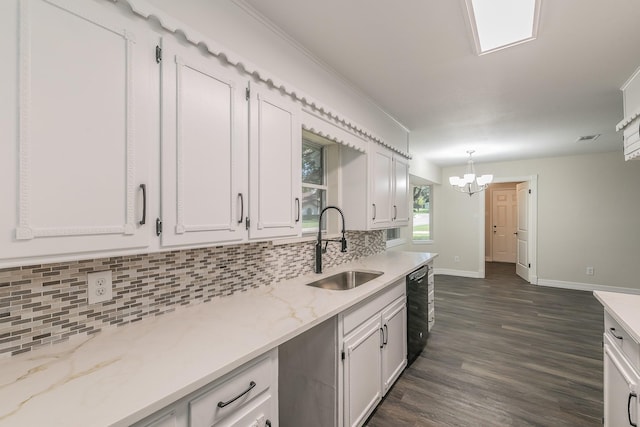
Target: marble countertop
(121, 375)
(625, 308)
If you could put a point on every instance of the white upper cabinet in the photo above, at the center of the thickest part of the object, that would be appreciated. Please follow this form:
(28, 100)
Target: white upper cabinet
(401, 200)
(204, 148)
(275, 163)
(630, 124)
(381, 186)
(375, 188)
(76, 132)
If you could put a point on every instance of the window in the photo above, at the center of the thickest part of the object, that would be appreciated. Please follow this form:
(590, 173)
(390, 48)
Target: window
(393, 234)
(314, 185)
(422, 218)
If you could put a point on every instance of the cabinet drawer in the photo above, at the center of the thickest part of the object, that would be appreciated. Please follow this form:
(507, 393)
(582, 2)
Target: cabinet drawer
(632, 140)
(205, 410)
(360, 313)
(255, 414)
(629, 347)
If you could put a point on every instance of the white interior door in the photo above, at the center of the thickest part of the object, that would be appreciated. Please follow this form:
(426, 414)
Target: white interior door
(504, 214)
(522, 236)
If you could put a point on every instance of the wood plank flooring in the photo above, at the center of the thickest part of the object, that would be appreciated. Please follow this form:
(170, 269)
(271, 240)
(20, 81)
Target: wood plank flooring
(503, 353)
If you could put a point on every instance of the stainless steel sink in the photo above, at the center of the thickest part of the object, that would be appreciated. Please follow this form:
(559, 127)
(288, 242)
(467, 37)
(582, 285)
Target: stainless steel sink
(346, 280)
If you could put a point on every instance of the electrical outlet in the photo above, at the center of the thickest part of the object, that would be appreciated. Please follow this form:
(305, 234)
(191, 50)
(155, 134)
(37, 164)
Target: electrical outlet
(100, 288)
(589, 271)
(456, 258)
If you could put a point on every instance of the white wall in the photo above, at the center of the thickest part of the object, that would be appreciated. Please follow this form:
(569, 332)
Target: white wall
(230, 26)
(588, 215)
(425, 171)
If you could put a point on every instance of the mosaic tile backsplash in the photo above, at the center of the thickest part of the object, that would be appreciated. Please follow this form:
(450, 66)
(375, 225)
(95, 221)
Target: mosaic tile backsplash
(46, 304)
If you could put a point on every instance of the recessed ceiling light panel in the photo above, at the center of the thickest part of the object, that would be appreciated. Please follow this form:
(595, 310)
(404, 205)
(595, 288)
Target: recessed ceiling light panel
(497, 24)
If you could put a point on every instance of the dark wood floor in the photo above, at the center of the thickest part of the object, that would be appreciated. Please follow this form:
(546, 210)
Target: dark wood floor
(503, 353)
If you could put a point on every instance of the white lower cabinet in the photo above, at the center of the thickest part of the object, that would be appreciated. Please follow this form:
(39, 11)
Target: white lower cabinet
(374, 352)
(621, 376)
(246, 397)
(362, 372)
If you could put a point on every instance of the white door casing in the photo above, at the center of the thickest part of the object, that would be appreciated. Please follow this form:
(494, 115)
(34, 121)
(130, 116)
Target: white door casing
(204, 146)
(522, 230)
(504, 213)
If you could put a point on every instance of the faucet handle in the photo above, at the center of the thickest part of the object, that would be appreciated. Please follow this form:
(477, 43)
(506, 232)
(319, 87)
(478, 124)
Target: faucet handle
(343, 242)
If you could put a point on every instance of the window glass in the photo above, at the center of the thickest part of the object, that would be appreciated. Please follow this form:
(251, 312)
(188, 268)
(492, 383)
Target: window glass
(314, 185)
(422, 230)
(312, 164)
(393, 233)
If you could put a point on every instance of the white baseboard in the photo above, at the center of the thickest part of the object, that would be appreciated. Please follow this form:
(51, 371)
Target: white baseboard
(586, 286)
(461, 273)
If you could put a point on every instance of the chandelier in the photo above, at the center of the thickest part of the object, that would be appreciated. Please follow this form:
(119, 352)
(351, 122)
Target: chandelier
(469, 183)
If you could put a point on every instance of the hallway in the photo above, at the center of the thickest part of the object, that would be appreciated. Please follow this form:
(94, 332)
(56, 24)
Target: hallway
(503, 353)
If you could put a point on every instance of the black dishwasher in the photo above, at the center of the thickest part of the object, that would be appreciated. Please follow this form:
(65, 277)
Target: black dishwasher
(417, 312)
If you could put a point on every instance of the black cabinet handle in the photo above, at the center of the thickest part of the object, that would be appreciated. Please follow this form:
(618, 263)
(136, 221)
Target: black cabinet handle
(395, 212)
(385, 335)
(374, 211)
(297, 209)
(613, 332)
(143, 187)
(241, 208)
(632, 394)
(222, 404)
(382, 335)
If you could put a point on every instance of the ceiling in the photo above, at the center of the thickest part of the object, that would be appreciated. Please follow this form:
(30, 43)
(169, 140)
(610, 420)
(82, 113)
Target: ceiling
(416, 60)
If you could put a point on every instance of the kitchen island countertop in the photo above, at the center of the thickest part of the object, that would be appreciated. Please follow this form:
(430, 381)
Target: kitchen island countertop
(625, 308)
(121, 375)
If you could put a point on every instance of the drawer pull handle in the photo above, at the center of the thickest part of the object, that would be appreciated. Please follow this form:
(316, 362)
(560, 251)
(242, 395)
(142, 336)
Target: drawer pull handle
(381, 338)
(143, 187)
(222, 404)
(613, 332)
(632, 394)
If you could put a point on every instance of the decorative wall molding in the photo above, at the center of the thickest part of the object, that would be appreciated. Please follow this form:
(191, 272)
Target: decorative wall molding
(627, 121)
(147, 11)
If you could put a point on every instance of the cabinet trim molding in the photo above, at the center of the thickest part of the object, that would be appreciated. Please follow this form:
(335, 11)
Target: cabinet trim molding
(145, 10)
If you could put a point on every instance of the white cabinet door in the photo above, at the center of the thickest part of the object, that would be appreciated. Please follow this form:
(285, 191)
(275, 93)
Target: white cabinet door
(274, 165)
(362, 374)
(204, 148)
(74, 163)
(394, 350)
(381, 165)
(621, 406)
(401, 208)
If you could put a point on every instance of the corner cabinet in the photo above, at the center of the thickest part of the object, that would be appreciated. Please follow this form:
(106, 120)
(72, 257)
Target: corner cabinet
(382, 199)
(76, 135)
(374, 350)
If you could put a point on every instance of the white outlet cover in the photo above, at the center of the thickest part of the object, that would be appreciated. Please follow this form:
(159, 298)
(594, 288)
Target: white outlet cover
(99, 286)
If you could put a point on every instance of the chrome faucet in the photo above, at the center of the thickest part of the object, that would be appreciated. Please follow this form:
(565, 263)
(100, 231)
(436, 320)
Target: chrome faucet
(319, 249)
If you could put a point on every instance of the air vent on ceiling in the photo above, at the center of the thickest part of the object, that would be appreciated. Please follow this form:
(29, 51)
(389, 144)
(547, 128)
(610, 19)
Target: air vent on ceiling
(588, 138)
